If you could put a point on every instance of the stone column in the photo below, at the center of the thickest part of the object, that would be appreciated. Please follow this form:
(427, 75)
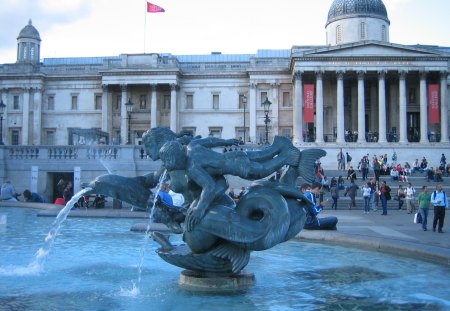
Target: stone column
(123, 114)
(402, 103)
(37, 116)
(373, 108)
(340, 108)
(153, 109)
(275, 107)
(252, 112)
(106, 111)
(444, 107)
(26, 116)
(382, 106)
(361, 109)
(298, 108)
(423, 109)
(319, 106)
(173, 108)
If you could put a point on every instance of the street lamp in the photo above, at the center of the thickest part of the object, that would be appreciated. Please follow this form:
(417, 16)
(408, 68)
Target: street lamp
(129, 106)
(244, 103)
(2, 109)
(266, 105)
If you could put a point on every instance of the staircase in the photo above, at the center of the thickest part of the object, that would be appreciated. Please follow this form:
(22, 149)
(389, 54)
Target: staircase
(417, 180)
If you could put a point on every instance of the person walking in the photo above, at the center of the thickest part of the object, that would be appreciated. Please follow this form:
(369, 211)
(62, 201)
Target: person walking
(385, 195)
(341, 160)
(410, 194)
(424, 204)
(366, 191)
(400, 196)
(440, 203)
(334, 195)
(351, 191)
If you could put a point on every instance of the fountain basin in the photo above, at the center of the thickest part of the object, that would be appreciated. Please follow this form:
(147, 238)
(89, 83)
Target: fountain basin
(94, 264)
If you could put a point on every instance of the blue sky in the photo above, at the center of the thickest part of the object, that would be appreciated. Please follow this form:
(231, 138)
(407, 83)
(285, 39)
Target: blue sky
(71, 28)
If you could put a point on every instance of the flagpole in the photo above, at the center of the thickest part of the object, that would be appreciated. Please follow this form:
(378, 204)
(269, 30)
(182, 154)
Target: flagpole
(145, 24)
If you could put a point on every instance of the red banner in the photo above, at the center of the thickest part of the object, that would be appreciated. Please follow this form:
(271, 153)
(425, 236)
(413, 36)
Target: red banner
(433, 103)
(153, 8)
(308, 100)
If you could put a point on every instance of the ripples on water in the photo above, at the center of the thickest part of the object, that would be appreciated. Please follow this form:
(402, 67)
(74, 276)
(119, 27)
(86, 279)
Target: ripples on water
(93, 263)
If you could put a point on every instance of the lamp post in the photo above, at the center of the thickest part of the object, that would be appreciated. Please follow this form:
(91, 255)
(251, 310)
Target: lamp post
(244, 103)
(2, 109)
(129, 106)
(266, 105)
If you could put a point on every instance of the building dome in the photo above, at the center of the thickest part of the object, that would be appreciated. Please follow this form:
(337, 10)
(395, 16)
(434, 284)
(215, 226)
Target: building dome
(341, 9)
(29, 32)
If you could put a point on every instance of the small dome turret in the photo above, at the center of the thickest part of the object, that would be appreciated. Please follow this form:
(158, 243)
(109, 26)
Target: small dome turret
(28, 45)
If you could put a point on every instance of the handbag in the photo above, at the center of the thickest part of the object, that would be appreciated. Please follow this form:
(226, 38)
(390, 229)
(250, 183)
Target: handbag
(417, 218)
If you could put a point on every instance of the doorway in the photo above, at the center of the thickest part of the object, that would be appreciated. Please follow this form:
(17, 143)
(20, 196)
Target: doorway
(413, 126)
(54, 178)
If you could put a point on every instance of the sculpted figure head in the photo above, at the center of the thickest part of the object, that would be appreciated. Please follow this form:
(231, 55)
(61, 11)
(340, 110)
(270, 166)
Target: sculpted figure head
(155, 138)
(173, 156)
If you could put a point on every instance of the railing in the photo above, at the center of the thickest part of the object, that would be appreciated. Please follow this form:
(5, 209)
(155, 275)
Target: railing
(96, 152)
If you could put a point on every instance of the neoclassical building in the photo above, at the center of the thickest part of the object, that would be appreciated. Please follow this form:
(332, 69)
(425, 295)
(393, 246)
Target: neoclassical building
(356, 88)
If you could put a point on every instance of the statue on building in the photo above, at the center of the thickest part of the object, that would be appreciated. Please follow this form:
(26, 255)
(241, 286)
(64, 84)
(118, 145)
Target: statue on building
(219, 233)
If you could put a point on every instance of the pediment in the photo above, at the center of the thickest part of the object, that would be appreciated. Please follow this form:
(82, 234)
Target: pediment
(372, 49)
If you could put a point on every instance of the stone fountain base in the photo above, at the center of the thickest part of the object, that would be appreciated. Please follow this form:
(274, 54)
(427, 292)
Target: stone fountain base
(207, 282)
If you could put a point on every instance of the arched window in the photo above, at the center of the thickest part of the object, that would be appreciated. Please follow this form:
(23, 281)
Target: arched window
(362, 31)
(383, 33)
(338, 34)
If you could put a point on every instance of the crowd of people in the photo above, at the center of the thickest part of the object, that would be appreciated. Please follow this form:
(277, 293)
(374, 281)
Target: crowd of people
(375, 192)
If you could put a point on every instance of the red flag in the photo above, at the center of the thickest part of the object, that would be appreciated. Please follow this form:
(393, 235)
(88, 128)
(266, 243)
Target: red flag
(433, 103)
(153, 8)
(308, 98)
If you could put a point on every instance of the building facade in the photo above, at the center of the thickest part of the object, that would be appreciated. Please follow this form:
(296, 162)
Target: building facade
(357, 90)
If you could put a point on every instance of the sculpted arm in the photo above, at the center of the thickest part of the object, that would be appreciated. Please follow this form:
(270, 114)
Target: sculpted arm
(207, 195)
(212, 142)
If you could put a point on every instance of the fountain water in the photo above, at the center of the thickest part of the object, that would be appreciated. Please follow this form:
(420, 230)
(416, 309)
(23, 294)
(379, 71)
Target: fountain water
(92, 261)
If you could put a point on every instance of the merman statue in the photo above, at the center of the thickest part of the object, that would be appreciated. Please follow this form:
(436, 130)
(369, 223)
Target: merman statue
(220, 234)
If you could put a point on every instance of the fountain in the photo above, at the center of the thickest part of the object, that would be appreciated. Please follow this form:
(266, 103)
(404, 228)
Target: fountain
(218, 234)
(93, 266)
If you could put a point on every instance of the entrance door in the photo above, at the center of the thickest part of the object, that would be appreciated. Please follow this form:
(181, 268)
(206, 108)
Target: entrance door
(413, 126)
(54, 178)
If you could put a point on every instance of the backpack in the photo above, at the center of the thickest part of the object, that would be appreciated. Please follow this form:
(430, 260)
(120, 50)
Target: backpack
(349, 158)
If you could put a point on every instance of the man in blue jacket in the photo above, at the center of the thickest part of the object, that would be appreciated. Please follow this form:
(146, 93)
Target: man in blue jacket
(440, 203)
(313, 210)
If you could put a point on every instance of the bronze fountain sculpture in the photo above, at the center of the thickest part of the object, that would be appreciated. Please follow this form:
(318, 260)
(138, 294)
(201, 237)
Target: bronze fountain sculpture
(219, 234)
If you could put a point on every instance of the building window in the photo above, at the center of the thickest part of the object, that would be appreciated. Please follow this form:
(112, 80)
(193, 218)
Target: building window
(189, 131)
(287, 99)
(50, 137)
(32, 52)
(74, 105)
(98, 102)
(15, 134)
(166, 103)
(260, 135)
(263, 97)
(51, 102)
(215, 132)
(383, 33)
(215, 101)
(189, 101)
(338, 34)
(16, 102)
(362, 30)
(118, 102)
(286, 132)
(240, 132)
(142, 102)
